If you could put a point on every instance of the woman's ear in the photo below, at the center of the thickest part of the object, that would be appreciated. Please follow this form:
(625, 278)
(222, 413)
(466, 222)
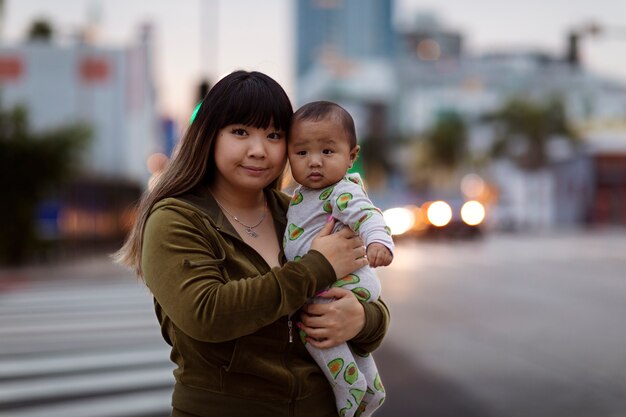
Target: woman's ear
(354, 153)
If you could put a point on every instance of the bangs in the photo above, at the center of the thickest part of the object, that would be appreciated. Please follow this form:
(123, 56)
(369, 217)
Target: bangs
(258, 103)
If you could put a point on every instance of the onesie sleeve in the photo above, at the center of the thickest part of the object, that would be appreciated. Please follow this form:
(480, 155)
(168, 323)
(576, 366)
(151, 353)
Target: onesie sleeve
(352, 207)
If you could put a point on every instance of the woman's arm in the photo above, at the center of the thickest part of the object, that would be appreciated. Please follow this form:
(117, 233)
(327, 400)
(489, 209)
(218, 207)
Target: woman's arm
(216, 294)
(376, 325)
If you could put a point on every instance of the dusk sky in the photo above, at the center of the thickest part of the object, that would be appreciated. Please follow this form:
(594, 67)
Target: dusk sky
(192, 40)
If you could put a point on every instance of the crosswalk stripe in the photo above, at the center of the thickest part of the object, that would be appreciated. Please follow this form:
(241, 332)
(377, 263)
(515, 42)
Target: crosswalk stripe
(82, 349)
(151, 403)
(119, 323)
(44, 343)
(89, 361)
(77, 385)
(17, 318)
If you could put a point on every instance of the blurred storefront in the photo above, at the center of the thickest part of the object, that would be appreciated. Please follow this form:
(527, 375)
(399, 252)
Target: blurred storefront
(609, 203)
(110, 88)
(609, 164)
(88, 214)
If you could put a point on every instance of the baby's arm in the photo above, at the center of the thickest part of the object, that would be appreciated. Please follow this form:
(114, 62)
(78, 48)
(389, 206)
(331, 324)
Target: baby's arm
(352, 207)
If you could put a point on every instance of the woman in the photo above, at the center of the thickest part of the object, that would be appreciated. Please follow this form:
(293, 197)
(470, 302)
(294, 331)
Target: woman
(206, 243)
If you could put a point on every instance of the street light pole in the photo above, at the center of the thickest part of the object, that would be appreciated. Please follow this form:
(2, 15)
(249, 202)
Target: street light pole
(588, 29)
(209, 39)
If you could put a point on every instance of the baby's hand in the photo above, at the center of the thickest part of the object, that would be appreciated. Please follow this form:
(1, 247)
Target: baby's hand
(378, 255)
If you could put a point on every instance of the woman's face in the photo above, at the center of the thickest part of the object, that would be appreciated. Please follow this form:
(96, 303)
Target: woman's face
(249, 158)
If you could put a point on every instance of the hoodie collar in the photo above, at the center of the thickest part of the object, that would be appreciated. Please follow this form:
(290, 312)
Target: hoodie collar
(202, 198)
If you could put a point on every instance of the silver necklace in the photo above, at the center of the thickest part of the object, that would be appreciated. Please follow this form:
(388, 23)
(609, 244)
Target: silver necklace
(249, 229)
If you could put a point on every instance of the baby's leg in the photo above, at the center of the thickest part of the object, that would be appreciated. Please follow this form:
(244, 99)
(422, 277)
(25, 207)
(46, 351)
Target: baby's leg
(375, 392)
(339, 366)
(366, 287)
(363, 283)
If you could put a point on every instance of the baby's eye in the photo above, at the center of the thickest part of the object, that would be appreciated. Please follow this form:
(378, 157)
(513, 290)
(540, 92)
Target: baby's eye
(301, 153)
(327, 151)
(239, 131)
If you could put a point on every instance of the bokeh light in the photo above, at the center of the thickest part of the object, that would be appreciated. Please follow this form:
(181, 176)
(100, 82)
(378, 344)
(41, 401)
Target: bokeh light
(439, 213)
(472, 185)
(156, 162)
(428, 50)
(399, 219)
(473, 213)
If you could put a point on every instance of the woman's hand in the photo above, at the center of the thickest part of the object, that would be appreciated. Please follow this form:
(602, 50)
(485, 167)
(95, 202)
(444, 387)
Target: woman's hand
(335, 322)
(344, 249)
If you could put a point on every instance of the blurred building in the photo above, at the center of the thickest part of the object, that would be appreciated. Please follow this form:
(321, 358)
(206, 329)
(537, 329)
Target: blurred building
(571, 189)
(352, 29)
(431, 76)
(110, 88)
(427, 39)
(344, 50)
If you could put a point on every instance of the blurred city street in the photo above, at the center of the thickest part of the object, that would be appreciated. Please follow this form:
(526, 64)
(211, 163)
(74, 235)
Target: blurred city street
(504, 326)
(491, 136)
(510, 326)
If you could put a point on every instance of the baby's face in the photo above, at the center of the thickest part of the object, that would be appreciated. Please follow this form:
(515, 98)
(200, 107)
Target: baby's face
(319, 152)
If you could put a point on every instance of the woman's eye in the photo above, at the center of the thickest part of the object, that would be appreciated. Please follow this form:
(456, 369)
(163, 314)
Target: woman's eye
(275, 135)
(239, 132)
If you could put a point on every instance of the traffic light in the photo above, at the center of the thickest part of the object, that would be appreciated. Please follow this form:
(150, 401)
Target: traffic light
(572, 57)
(203, 89)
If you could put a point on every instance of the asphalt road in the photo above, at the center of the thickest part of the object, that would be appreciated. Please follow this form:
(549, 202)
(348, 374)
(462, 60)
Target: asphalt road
(508, 326)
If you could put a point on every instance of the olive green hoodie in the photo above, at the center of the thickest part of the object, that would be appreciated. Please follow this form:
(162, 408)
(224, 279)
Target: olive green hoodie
(226, 313)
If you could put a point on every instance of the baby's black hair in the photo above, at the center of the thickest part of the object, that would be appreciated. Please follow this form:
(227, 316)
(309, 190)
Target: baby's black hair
(320, 110)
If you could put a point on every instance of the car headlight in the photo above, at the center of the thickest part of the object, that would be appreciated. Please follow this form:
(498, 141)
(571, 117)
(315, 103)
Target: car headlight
(399, 219)
(473, 213)
(439, 213)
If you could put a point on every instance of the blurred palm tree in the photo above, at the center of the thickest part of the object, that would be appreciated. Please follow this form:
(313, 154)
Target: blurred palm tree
(523, 129)
(31, 165)
(442, 150)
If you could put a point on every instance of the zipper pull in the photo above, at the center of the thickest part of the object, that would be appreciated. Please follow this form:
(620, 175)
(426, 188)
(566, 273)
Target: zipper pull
(290, 326)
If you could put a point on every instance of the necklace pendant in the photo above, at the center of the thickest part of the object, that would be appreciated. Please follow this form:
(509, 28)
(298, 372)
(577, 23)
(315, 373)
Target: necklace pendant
(251, 232)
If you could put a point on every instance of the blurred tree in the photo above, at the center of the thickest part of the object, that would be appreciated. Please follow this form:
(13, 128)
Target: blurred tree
(40, 30)
(447, 141)
(441, 152)
(372, 162)
(523, 129)
(31, 164)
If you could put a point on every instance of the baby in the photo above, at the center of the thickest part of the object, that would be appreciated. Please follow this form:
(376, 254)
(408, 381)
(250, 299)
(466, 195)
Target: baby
(322, 147)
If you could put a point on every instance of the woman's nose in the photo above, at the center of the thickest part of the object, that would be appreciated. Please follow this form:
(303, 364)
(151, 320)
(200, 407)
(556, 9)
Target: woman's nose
(257, 148)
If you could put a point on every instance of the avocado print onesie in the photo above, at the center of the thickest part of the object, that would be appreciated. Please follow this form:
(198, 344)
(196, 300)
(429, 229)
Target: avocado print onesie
(355, 380)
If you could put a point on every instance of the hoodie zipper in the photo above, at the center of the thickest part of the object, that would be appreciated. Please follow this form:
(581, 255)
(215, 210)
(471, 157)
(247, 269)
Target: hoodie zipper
(286, 360)
(290, 327)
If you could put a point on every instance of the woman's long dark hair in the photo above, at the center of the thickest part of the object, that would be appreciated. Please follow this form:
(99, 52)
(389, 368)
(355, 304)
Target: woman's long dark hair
(248, 98)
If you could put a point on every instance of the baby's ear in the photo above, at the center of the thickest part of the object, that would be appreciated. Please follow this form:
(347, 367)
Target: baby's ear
(354, 153)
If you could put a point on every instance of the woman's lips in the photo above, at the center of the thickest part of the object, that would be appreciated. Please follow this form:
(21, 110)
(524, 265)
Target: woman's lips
(254, 170)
